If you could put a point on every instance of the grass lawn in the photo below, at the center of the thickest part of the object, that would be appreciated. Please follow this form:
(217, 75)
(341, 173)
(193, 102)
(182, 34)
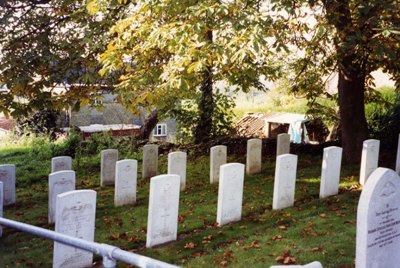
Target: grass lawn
(313, 229)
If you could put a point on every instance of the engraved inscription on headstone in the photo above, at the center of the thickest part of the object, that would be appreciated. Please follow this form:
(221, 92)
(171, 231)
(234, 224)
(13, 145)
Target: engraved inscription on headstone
(218, 155)
(330, 174)
(7, 176)
(162, 225)
(230, 193)
(285, 181)
(378, 221)
(61, 163)
(177, 165)
(109, 158)
(59, 182)
(150, 161)
(369, 159)
(125, 182)
(253, 159)
(75, 216)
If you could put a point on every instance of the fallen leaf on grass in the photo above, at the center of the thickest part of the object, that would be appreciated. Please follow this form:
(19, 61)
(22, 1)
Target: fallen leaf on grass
(190, 245)
(197, 254)
(286, 258)
(254, 244)
(118, 236)
(282, 227)
(277, 237)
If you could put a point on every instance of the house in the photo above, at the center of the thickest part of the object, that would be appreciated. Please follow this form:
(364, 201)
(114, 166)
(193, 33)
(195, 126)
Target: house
(114, 117)
(269, 125)
(6, 126)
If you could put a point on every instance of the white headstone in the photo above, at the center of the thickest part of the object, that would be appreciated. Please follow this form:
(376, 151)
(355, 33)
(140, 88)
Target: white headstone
(125, 182)
(378, 221)
(1, 206)
(109, 158)
(61, 163)
(177, 165)
(285, 181)
(162, 224)
(330, 174)
(150, 161)
(7, 176)
(315, 264)
(369, 159)
(217, 158)
(253, 159)
(75, 216)
(59, 182)
(230, 193)
(283, 144)
(398, 157)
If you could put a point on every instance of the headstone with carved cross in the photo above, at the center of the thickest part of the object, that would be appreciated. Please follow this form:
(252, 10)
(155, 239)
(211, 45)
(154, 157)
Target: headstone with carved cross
(61, 163)
(218, 156)
(369, 159)
(150, 161)
(75, 216)
(125, 182)
(162, 224)
(59, 182)
(177, 165)
(253, 159)
(330, 174)
(109, 158)
(283, 144)
(7, 176)
(230, 193)
(285, 181)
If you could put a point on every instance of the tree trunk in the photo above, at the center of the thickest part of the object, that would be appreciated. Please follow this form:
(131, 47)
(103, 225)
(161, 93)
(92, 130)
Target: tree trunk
(203, 129)
(149, 124)
(351, 84)
(354, 129)
(206, 109)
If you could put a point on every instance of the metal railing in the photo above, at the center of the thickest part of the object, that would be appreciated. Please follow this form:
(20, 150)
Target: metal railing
(109, 253)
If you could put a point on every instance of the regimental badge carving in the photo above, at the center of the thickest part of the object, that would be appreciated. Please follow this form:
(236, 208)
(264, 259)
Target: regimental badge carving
(127, 168)
(388, 189)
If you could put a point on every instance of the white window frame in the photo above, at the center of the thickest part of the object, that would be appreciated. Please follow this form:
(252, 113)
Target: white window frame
(160, 130)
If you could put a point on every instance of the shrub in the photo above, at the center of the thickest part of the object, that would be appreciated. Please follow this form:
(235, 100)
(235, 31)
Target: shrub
(41, 122)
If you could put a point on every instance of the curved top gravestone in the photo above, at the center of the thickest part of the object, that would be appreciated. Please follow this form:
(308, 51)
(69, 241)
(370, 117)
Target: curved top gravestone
(378, 221)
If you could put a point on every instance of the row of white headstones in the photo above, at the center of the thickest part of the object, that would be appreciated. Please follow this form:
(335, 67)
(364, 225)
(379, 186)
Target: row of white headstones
(74, 211)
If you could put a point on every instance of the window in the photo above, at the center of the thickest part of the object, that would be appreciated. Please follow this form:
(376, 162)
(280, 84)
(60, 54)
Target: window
(160, 130)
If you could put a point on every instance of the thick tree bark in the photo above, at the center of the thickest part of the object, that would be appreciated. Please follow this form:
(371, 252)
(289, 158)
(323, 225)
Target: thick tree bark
(203, 129)
(354, 129)
(149, 124)
(352, 72)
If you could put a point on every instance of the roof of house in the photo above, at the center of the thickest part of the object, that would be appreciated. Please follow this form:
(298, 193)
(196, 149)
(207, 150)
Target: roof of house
(6, 124)
(101, 128)
(252, 124)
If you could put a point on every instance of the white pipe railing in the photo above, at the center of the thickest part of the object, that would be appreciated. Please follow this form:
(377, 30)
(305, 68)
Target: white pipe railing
(109, 253)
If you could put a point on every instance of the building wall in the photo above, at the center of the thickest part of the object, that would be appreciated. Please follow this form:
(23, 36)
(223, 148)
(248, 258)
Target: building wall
(171, 132)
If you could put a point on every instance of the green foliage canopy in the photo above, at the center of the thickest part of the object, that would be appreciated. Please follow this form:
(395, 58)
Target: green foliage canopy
(162, 48)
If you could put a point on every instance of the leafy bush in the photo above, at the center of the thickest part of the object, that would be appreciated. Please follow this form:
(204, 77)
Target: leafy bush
(67, 147)
(98, 142)
(41, 122)
(383, 115)
(187, 116)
